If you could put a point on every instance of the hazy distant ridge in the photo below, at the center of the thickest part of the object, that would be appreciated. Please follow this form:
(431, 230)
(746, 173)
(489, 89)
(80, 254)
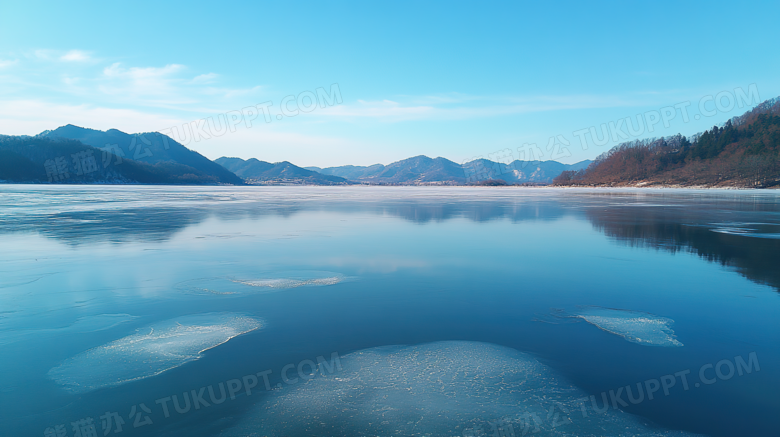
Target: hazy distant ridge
(422, 169)
(256, 171)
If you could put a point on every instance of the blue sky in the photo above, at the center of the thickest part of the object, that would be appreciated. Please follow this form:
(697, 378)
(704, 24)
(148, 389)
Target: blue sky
(452, 79)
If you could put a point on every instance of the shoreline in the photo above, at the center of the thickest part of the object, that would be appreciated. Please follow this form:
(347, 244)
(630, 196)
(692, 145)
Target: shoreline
(639, 186)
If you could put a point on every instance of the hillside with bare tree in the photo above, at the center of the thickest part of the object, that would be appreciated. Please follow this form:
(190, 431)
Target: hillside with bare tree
(744, 153)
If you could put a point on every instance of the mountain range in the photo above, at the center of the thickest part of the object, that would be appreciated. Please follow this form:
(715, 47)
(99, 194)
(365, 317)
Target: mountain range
(424, 170)
(73, 154)
(743, 152)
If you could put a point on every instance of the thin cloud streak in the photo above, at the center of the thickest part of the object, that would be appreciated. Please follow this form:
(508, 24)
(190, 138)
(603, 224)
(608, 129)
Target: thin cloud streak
(30, 117)
(468, 107)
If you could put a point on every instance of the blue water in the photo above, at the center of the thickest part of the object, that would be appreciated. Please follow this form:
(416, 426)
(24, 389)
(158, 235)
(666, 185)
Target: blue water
(451, 311)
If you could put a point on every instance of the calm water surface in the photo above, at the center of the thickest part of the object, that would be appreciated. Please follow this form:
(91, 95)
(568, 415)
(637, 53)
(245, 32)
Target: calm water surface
(451, 311)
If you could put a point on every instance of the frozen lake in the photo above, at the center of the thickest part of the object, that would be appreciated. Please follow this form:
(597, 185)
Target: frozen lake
(351, 311)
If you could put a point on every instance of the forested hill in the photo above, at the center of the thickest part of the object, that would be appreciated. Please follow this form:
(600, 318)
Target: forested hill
(180, 164)
(742, 153)
(42, 159)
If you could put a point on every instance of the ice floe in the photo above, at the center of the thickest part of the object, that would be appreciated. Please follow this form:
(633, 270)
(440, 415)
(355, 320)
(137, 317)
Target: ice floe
(260, 283)
(290, 283)
(446, 388)
(151, 351)
(634, 326)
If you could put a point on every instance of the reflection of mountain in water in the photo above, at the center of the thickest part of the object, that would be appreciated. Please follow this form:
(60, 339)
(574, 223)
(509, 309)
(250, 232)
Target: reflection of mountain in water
(716, 226)
(694, 230)
(477, 211)
(155, 223)
(122, 226)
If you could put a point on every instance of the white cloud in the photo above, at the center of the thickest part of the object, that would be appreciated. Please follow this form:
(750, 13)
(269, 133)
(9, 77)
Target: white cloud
(276, 142)
(116, 70)
(165, 87)
(58, 55)
(458, 106)
(204, 78)
(30, 117)
(119, 85)
(148, 85)
(263, 141)
(387, 110)
(75, 56)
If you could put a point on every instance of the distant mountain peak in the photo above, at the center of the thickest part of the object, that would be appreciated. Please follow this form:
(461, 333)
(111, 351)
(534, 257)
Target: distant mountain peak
(153, 148)
(260, 172)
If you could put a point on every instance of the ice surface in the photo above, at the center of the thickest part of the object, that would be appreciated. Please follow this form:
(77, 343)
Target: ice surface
(636, 327)
(99, 322)
(442, 389)
(151, 351)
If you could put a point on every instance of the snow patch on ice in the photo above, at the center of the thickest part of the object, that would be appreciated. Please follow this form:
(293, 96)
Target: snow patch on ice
(446, 388)
(151, 351)
(290, 283)
(267, 283)
(636, 327)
